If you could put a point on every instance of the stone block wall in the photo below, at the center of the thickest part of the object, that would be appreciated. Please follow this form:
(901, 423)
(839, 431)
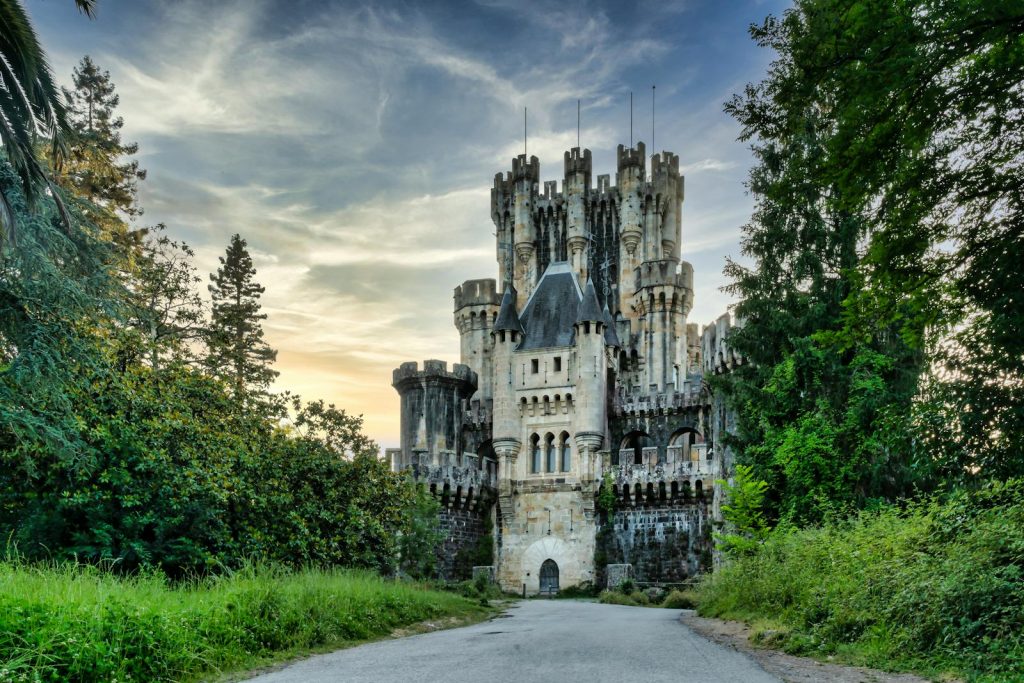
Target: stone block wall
(463, 530)
(665, 544)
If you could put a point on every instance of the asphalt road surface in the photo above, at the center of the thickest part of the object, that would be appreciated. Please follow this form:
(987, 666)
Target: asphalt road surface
(536, 642)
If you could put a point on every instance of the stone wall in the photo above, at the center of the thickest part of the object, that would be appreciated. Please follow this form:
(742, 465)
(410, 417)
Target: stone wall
(463, 530)
(667, 544)
(528, 538)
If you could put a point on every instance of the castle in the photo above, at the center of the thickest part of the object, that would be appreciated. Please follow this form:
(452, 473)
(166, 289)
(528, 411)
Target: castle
(582, 365)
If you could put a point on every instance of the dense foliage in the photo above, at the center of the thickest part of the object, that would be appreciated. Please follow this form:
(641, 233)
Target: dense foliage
(936, 587)
(126, 441)
(881, 295)
(72, 623)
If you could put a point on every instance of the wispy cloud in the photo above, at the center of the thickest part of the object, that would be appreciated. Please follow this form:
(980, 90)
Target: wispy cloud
(353, 145)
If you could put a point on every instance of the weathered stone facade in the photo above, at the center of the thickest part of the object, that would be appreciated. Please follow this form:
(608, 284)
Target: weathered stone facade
(583, 364)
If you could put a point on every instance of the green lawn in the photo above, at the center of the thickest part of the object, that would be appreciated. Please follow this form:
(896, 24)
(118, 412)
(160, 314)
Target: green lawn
(70, 623)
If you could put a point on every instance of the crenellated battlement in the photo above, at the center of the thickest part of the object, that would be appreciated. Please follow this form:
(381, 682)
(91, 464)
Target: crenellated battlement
(432, 370)
(577, 161)
(664, 164)
(628, 157)
(483, 292)
(526, 170)
(716, 353)
(665, 272)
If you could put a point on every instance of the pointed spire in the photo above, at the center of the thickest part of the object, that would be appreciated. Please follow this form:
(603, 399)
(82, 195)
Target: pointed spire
(610, 337)
(508, 319)
(590, 309)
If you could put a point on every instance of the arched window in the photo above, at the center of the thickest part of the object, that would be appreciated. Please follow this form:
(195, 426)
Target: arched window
(635, 442)
(549, 443)
(566, 452)
(534, 454)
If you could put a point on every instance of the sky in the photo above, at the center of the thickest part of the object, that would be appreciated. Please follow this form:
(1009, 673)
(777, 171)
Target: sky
(354, 145)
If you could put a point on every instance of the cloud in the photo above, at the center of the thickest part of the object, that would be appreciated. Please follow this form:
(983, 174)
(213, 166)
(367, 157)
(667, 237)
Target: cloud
(353, 145)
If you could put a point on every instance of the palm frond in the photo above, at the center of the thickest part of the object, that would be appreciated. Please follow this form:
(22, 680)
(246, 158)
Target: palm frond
(32, 107)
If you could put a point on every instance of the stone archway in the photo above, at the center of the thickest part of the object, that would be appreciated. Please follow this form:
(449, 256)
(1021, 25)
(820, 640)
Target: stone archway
(556, 550)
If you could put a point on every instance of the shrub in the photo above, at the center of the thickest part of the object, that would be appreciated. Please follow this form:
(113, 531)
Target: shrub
(680, 599)
(939, 584)
(609, 597)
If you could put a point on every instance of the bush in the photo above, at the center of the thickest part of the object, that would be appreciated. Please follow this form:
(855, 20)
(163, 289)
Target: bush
(609, 597)
(80, 623)
(580, 590)
(939, 585)
(680, 599)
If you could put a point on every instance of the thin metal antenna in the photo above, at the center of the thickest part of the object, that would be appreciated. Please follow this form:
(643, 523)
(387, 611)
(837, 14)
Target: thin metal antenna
(524, 131)
(652, 121)
(577, 123)
(631, 119)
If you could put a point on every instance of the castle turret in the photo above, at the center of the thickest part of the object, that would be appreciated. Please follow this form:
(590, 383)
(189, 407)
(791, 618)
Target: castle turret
(591, 381)
(506, 335)
(663, 299)
(630, 182)
(525, 178)
(576, 189)
(476, 307)
(432, 407)
(668, 192)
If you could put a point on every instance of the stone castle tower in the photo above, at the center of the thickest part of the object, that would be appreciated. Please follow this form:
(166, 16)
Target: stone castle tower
(583, 364)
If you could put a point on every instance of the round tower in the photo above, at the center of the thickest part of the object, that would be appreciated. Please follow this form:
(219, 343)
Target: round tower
(668, 192)
(591, 382)
(505, 336)
(525, 179)
(476, 309)
(433, 401)
(630, 182)
(663, 299)
(576, 188)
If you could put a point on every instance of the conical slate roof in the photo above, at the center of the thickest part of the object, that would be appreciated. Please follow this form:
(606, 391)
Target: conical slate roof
(590, 309)
(610, 337)
(508, 319)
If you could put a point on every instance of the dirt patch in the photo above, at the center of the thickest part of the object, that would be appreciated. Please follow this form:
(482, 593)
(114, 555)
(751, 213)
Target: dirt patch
(792, 669)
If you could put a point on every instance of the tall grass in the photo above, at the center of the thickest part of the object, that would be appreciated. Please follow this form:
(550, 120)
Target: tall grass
(76, 623)
(936, 587)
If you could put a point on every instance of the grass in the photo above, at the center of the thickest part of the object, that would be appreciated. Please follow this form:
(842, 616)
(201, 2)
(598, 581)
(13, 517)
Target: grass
(77, 623)
(936, 588)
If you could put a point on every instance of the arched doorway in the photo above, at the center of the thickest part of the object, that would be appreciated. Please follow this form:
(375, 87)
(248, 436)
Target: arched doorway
(548, 578)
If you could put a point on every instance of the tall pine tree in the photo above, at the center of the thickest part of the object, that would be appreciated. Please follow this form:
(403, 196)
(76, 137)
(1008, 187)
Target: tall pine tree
(98, 166)
(237, 352)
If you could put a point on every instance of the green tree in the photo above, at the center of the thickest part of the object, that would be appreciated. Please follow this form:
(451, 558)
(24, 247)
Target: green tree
(164, 305)
(30, 108)
(97, 166)
(925, 141)
(421, 537)
(818, 412)
(743, 512)
(237, 351)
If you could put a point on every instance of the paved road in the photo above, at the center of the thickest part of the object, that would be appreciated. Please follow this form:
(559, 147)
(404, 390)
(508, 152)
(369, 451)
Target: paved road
(540, 641)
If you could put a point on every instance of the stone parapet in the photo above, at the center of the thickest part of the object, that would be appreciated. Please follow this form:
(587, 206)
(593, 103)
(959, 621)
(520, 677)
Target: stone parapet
(446, 469)
(691, 394)
(436, 370)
